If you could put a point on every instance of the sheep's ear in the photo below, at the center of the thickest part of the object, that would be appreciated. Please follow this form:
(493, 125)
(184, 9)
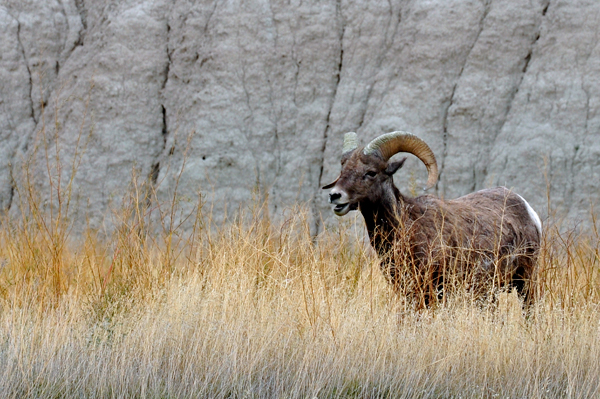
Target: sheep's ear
(394, 166)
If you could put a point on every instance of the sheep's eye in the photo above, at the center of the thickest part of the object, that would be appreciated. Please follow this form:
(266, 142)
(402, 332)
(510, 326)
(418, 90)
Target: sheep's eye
(370, 174)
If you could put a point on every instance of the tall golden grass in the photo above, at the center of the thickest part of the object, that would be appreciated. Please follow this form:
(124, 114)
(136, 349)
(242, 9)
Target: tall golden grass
(260, 309)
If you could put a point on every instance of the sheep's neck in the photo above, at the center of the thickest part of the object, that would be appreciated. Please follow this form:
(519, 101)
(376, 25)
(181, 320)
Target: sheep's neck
(386, 218)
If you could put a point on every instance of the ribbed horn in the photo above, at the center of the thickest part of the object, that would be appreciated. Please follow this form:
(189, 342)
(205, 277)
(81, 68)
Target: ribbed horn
(392, 143)
(350, 142)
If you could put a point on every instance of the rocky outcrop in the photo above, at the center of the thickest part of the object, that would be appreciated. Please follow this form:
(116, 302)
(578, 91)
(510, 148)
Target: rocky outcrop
(245, 99)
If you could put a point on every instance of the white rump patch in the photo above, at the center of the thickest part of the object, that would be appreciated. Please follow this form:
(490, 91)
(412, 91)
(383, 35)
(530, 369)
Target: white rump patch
(533, 215)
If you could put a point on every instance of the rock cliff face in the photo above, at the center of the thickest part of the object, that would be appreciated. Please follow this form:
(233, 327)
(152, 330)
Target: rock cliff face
(235, 98)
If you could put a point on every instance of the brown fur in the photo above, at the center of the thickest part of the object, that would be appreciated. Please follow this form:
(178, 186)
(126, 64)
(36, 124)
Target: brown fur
(428, 244)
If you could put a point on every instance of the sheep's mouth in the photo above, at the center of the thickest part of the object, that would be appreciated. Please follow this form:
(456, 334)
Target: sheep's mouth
(342, 209)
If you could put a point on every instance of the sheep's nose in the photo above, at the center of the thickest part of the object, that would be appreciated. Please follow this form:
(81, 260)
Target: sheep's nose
(334, 196)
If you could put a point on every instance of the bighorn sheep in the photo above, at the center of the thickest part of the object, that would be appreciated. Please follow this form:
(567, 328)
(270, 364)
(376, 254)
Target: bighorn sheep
(490, 235)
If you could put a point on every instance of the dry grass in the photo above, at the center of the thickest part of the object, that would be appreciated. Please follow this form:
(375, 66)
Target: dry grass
(259, 309)
(256, 309)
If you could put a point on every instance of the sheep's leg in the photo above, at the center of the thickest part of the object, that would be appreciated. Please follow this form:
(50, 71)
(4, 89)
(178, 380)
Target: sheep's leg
(522, 282)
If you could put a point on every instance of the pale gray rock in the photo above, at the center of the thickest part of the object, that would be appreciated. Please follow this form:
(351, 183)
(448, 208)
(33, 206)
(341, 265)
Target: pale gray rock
(16, 111)
(104, 109)
(246, 101)
(554, 123)
(254, 84)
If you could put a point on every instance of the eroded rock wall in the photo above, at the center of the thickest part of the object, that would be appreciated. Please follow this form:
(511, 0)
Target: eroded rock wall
(244, 99)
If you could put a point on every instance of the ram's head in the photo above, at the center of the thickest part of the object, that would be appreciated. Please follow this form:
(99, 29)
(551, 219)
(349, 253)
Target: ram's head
(367, 172)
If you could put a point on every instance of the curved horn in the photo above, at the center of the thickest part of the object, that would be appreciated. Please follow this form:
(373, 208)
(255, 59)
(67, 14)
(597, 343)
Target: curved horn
(350, 143)
(395, 142)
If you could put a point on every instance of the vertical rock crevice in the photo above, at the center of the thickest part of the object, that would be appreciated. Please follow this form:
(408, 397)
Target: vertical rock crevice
(385, 51)
(571, 181)
(249, 123)
(328, 117)
(446, 105)
(526, 62)
(513, 94)
(155, 167)
(80, 11)
(73, 38)
(80, 4)
(274, 115)
(587, 106)
(13, 186)
(334, 91)
(342, 28)
(29, 74)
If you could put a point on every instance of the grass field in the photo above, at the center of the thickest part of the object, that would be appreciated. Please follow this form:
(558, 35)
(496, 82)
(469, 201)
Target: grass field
(260, 309)
(255, 309)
